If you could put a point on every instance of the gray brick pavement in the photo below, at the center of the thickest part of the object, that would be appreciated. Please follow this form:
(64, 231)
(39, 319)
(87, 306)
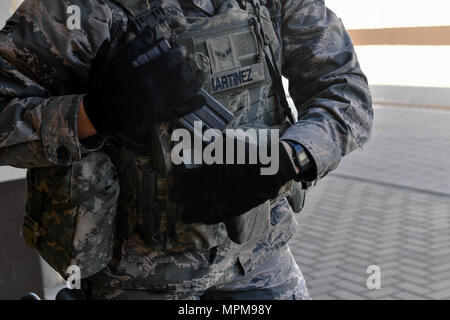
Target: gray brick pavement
(418, 139)
(389, 206)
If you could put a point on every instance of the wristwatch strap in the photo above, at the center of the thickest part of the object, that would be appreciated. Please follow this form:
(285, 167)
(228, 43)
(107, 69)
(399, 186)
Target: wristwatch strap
(301, 158)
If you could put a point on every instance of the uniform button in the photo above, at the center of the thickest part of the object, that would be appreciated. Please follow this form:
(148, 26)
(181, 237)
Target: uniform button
(63, 154)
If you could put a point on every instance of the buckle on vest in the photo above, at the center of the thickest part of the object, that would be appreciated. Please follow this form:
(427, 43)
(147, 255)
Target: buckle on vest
(150, 18)
(31, 231)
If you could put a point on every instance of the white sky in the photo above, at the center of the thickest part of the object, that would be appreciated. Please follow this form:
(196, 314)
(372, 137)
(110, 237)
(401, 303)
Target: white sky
(360, 14)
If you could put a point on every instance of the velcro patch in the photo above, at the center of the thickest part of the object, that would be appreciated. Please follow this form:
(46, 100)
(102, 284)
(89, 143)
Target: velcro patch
(222, 54)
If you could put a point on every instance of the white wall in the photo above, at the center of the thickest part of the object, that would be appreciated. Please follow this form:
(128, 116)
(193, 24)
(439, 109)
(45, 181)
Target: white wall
(363, 14)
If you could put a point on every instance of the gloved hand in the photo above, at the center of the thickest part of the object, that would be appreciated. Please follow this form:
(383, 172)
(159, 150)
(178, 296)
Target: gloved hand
(215, 193)
(122, 96)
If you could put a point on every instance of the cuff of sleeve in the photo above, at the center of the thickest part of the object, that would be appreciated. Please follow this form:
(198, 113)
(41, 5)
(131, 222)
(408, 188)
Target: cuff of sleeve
(60, 129)
(310, 174)
(319, 145)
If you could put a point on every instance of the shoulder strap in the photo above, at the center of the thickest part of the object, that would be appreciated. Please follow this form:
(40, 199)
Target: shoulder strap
(272, 65)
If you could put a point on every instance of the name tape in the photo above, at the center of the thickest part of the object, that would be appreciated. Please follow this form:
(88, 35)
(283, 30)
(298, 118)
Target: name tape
(234, 78)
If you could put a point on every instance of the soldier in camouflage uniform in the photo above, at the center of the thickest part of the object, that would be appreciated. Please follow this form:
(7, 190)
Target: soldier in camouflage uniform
(44, 77)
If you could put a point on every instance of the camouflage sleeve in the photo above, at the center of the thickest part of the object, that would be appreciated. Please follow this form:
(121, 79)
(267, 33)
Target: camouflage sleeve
(326, 83)
(45, 52)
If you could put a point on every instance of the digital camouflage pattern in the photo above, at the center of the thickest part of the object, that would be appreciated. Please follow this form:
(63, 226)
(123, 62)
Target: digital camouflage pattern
(76, 208)
(279, 278)
(42, 85)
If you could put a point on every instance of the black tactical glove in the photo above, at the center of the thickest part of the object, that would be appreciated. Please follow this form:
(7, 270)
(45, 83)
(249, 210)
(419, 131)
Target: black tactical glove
(122, 96)
(218, 192)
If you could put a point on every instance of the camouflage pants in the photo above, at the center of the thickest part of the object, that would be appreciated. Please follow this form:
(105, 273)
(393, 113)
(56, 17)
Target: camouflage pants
(278, 279)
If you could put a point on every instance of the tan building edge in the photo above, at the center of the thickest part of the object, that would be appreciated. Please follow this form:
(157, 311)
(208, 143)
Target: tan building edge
(420, 36)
